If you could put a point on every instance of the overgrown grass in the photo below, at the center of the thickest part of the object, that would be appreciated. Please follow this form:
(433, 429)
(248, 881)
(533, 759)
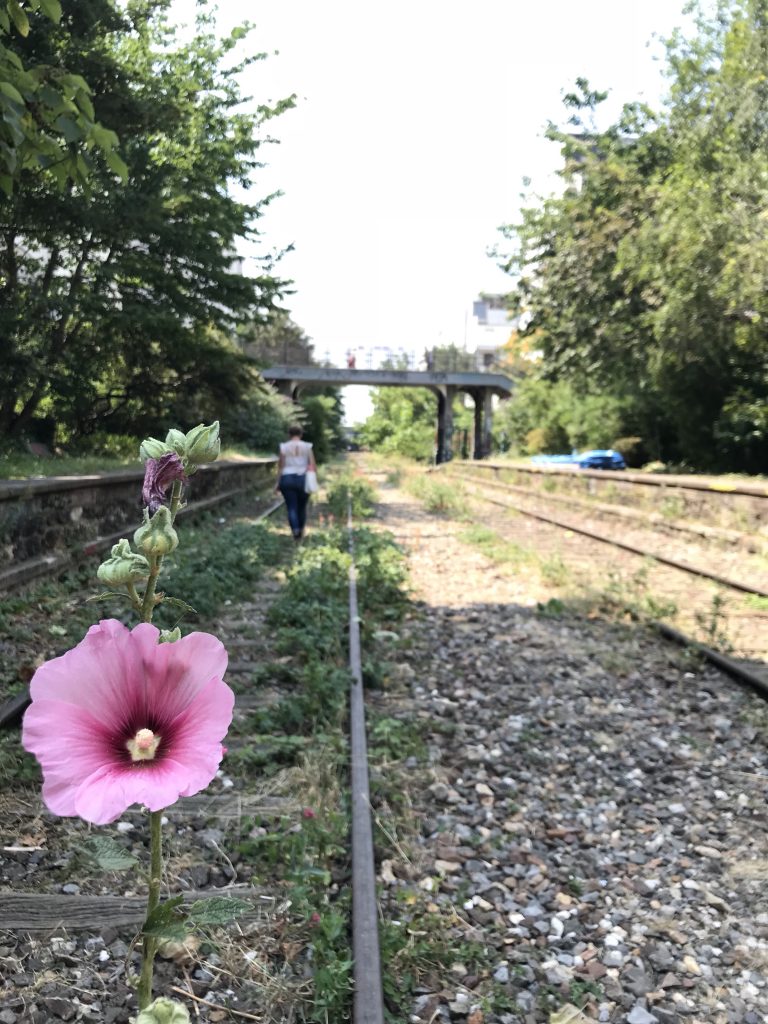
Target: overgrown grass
(494, 546)
(438, 496)
(350, 489)
(310, 619)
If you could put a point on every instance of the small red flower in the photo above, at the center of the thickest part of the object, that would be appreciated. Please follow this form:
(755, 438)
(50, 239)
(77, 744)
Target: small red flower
(308, 813)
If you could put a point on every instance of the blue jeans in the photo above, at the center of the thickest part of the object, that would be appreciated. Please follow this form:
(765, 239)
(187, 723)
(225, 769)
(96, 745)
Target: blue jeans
(296, 498)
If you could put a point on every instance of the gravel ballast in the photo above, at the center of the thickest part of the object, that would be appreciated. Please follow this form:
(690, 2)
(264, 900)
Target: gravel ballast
(591, 808)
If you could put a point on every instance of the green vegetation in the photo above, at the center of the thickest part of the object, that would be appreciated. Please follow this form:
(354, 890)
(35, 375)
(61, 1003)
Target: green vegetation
(303, 731)
(352, 491)
(47, 119)
(122, 304)
(439, 496)
(644, 284)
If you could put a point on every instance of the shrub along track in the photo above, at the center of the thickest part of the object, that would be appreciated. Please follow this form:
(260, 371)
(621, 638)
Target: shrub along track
(271, 830)
(578, 823)
(716, 595)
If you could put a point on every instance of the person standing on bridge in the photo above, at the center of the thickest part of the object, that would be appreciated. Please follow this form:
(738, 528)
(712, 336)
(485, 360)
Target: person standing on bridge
(295, 461)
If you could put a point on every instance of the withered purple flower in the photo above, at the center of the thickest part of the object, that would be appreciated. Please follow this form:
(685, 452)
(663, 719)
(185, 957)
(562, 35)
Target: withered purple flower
(159, 474)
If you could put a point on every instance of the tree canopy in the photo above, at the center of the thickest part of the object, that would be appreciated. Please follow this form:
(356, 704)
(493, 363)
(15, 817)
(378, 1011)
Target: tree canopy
(647, 280)
(121, 296)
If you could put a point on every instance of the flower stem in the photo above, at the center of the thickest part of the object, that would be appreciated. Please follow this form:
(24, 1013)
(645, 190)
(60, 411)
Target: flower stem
(175, 499)
(153, 900)
(134, 596)
(147, 605)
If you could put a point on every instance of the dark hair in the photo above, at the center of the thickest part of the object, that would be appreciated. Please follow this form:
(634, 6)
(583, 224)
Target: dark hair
(295, 430)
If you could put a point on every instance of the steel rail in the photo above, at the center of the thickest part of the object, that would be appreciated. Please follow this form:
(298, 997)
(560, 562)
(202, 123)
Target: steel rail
(633, 548)
(368, 990)
(683, 483)
(634, 515)
(722, 661)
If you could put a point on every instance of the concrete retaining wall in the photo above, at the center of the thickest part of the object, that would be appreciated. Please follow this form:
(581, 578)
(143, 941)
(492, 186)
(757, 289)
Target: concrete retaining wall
(49, 521)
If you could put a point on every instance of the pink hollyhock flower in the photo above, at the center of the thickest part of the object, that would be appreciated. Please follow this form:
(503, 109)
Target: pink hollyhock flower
(121, 719)
(159, 474)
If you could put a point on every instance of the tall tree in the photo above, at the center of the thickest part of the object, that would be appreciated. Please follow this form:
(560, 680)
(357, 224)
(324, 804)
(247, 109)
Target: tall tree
(114, 296)
(647, 279)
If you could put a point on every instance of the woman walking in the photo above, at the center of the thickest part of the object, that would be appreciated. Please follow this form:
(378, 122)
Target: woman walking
(296, 460)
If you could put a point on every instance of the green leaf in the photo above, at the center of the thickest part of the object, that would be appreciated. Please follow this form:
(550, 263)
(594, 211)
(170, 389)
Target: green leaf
(176, 602)
(108, 854)
(167, 921)
(217, 910)
(83, 101)
(52, 8)
(107, 595)
(6, 184)
(20, 19)
(69, 128)
(103, 137)
(50, 97)
(12, 92)
(118, 165)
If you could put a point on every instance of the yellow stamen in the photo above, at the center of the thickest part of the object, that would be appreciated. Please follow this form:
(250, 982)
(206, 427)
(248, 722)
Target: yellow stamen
(143, 746)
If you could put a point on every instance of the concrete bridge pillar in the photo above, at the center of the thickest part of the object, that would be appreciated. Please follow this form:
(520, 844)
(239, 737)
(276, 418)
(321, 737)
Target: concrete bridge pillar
(477, 452)
(287, 388)
(445, 395)
(483, 399)
(487, 423)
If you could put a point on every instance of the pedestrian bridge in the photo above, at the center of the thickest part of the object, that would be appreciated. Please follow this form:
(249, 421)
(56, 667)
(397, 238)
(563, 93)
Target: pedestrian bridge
(481, 386)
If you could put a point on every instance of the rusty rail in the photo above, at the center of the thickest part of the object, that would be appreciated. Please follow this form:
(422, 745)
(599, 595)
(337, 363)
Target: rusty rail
(680, 481)
(368, 997)
(725, 581)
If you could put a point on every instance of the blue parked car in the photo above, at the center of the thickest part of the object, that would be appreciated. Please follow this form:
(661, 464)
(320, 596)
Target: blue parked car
(601, 458)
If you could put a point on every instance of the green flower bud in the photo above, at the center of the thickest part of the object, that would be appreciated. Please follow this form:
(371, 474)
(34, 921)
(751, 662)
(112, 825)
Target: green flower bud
(203, 444)
(124, 566)
(156, 536)
(176, 441)
(169, 636)
(164, 1011)
(151, 448)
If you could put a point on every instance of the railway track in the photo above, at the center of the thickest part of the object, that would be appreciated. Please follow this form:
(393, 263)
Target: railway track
(40, 914)
(571, 814)
(697, 575)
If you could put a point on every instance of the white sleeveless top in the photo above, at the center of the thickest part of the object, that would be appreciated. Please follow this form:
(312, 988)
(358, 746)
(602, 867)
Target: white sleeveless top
(296, 455)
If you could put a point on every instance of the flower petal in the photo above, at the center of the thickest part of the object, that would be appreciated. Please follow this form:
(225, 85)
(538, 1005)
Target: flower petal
(88, 703)
(69, 743)
(177, 672)
(104, 796)
(103, 674)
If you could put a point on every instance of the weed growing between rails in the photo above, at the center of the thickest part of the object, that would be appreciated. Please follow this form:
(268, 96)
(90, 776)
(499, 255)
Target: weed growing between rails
(437, 495)
(300, 741)
(137, 716)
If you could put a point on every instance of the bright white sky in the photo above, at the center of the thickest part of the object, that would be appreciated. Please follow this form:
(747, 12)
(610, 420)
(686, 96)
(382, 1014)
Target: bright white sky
(416, 122)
